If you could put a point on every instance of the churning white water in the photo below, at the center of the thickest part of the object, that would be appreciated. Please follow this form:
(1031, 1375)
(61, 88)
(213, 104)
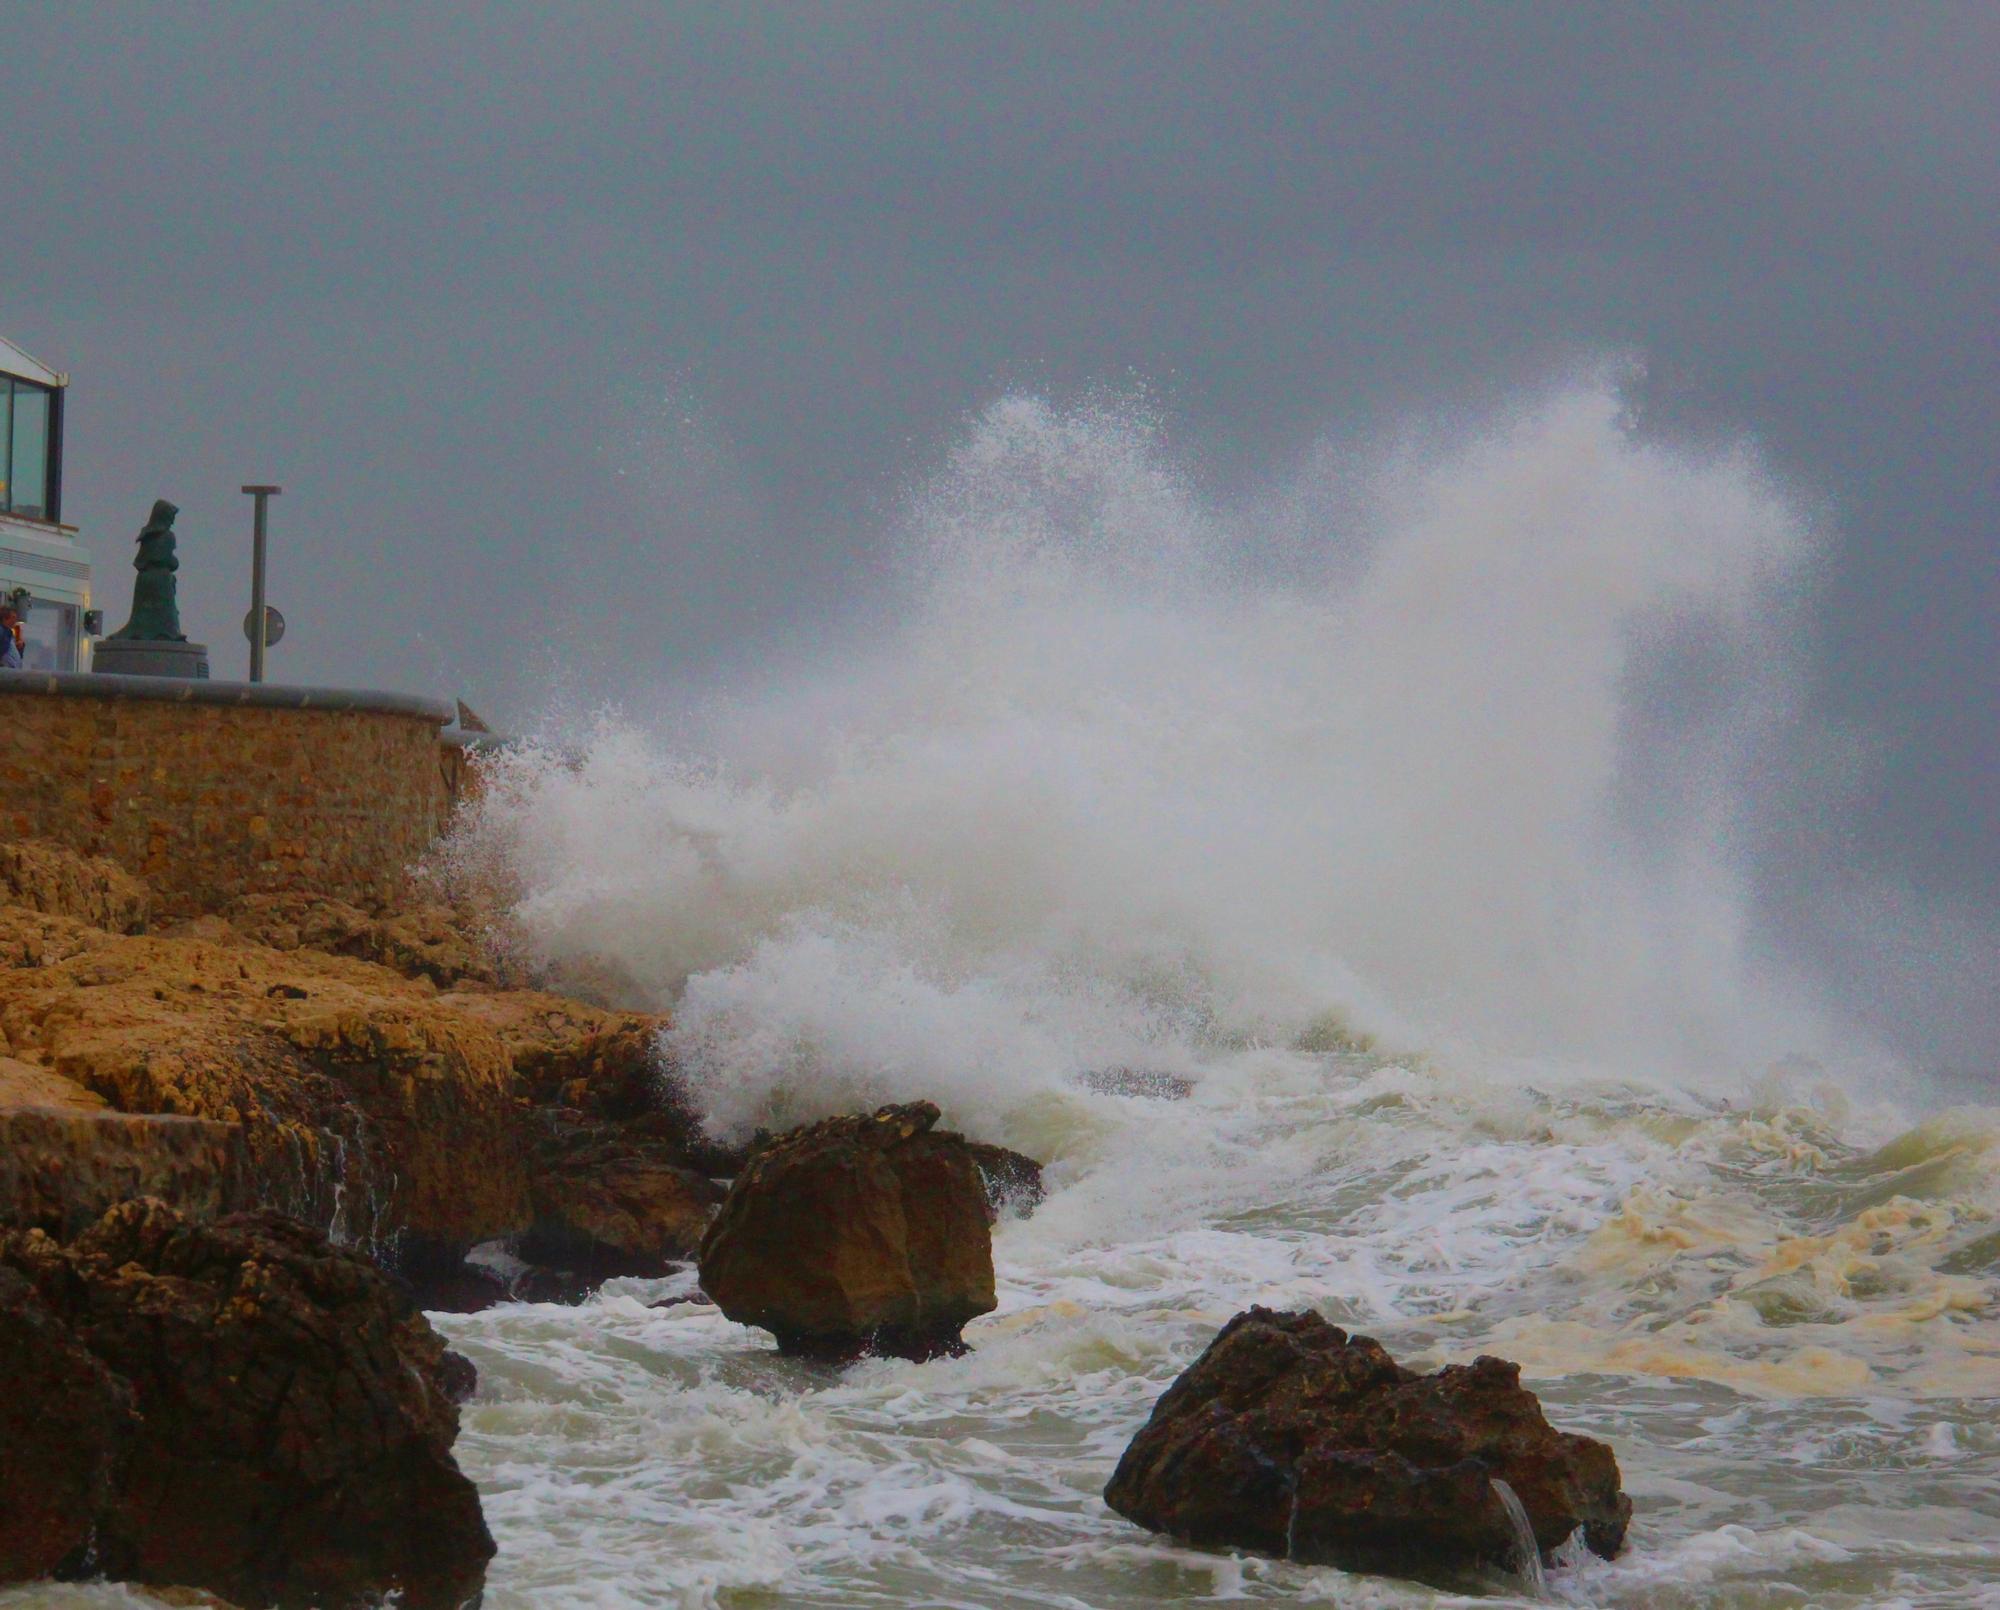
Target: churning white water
(1406, 815)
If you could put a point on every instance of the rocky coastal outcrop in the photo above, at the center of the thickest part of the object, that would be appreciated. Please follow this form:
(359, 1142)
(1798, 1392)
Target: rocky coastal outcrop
(237, 1407)
(1292, 1438)
(1013, 1180)
(856, 1234)
(384, 1078)
(301, 1054)
(356, 1102)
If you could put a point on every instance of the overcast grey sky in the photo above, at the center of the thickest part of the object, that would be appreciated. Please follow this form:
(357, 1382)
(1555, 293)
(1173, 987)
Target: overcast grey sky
(620, 324)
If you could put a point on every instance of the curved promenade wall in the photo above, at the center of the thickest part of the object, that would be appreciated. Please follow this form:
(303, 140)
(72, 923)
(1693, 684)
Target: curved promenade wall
(210, 790)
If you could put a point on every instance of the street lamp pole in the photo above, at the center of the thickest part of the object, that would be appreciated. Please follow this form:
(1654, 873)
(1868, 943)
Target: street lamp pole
(263, 495)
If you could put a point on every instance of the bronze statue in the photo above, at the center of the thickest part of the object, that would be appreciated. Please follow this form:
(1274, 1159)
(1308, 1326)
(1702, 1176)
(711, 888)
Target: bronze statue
(156, 615)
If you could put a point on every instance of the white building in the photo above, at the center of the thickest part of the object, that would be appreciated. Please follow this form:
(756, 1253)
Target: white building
(43, 570)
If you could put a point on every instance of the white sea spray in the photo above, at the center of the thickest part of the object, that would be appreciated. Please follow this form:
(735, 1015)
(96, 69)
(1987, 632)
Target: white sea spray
(1110, 791)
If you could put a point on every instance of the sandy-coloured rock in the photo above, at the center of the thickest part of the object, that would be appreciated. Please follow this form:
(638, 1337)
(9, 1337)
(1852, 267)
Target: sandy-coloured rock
(63, 1168)
(298, 1053)
(361, 1104)
(1290, 1437)
(280, 1420)
(430, 941)
(44, 877)
(856, 1234)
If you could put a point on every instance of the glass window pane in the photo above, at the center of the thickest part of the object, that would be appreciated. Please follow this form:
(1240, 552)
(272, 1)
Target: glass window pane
(30, 491)
(6, 436)
(51, 633)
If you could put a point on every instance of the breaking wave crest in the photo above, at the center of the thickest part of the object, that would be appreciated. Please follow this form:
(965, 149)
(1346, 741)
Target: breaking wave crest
(1451, 750)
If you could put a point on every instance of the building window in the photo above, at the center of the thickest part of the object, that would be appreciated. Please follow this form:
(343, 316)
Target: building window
(27, 449)
(50, 629)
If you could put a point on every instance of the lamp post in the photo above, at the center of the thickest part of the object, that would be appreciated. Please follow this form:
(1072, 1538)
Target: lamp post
(263, 495)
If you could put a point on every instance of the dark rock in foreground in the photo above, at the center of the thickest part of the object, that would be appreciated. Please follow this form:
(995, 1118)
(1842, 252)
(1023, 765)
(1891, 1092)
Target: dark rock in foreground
(63, 1419)
(854, 1235)
(235, 1407)
(1291, 1438)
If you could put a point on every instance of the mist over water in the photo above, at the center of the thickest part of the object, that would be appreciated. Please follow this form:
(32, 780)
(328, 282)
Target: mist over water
(1127, 777)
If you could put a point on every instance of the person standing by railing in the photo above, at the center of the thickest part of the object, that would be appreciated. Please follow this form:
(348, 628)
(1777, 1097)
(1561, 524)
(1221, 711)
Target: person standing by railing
(13, 639)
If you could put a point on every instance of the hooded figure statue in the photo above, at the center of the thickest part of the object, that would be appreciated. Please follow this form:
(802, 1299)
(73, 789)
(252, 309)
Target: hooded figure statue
(156, 615)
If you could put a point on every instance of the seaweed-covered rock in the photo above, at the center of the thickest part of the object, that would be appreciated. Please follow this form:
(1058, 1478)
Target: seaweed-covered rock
(1290, 1437)
(856, 1234)
(270, 1420)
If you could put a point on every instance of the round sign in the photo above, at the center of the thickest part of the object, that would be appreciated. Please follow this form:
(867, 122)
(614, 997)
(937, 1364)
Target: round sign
(274, 625)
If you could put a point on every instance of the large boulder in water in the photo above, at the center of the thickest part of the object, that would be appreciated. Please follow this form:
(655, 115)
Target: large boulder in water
(236, 1407)
(856, 1234)
(1290, 1437)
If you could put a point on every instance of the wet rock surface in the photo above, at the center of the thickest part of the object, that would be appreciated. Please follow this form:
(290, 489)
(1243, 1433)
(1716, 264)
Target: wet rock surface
(242, 1409)
(64, 1418)
(615, 1199)
(856, 1234)
(367, 1073)
(358, 1104)
(63, 1167)
(299, 1053)
(430, 941)
(1292, 1438)
(1012, 1179)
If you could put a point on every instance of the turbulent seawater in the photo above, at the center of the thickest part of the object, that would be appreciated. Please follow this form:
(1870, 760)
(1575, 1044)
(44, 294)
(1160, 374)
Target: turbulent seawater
(1409, 814)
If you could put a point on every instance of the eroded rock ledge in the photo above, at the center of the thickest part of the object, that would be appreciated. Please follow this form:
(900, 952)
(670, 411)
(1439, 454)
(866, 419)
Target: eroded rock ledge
(364, 1074)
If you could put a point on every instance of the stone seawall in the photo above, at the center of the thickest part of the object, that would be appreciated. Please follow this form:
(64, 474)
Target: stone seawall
(213, 790)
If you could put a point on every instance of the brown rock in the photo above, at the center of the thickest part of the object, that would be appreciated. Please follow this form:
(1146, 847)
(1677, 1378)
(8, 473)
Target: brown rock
(361, 1104)
(28, 1084)
(435, 1095)
(856, 1234)
(1289, 1437)
(436, 942)
(293, 1445)
(610, 1200)
(48, 878)
(599, 1066)
(63, 1420)
(63, 1168)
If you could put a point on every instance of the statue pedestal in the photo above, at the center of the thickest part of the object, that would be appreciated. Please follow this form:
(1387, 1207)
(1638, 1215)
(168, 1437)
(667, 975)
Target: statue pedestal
(125, 656)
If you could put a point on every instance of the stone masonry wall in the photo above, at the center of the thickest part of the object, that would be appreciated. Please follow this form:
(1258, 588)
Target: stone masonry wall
(210, 801)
